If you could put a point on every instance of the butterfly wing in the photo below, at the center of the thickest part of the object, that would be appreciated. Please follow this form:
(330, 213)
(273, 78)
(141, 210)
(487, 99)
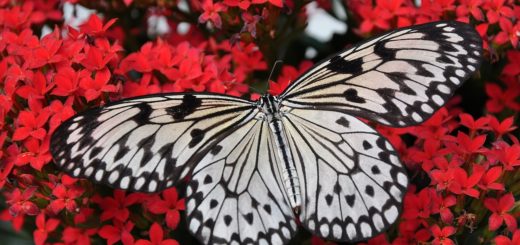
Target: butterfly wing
(235, 194)
(146, 143)
(397, 79)
(351, 178)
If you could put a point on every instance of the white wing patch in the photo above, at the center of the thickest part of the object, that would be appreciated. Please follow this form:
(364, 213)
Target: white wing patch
(397, 79)
(352, 180)
(235, 195)
(148, 143)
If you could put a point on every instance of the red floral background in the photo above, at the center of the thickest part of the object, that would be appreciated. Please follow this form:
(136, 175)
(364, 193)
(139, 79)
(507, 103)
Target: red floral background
(463, 162)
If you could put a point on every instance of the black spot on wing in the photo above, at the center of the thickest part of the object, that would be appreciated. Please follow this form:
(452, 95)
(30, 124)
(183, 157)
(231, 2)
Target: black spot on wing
(228, 219)
(249, 218)
(340, 65)
(343, 122)
(352, 96)
(215, 150)
(369, 190)
(366, 145)
(384, 156)
(213, 203)
(328, 199)
(188, 105)
(375, 169)
(350, 200)
(208, 179)
(267, 208)
(196, 137)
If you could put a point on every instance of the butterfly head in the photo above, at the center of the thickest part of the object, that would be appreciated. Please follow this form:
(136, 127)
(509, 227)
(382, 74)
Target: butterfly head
(269, 104)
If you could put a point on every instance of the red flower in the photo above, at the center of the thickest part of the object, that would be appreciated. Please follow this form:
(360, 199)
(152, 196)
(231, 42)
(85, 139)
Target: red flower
(465, 145)
(443, 179)
(467, 7)
(36, 88)
(169, 205)
(37, 153)
(250, 22)
(61, 112)
(468, 121)
(31, 125)
(373, 18)
(94, 26)
(65, 198)
(67, 81)
(488, 181)
(117, 207)
(500, 208)
(94, 87)
(500, 99)
(16, 221)
(512, 67)
(509, 156)
(509, 32)
(118, 232)
(99, 55)
(501, 128)
(495, 9)
(464, 184)
(440, 236)
(187, 74)
(503, 240)
(10, 158)
(43, 228)
(418, 205)
(78, 236)
(47, 52)
(156, 237)
(426, 156)
(20, 203)
(211, 12)
(442, 206)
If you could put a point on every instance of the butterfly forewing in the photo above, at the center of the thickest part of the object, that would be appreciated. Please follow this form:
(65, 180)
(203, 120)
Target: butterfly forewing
(147, 143)
(235, 195)
(400, 78)
(351, 177)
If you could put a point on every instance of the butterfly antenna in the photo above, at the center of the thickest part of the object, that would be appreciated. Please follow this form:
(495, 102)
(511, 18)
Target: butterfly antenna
(274, 67)
(272, 71)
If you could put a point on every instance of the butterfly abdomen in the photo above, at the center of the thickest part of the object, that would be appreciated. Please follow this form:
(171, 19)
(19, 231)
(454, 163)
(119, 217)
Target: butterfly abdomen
(288, 169)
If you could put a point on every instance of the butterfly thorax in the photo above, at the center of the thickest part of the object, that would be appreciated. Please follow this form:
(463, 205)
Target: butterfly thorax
(271, 108)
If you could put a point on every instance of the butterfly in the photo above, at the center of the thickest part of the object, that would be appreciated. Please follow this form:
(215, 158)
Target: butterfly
(256, 167)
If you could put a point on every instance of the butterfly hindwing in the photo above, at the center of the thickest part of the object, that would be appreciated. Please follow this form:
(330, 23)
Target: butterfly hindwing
(398, 79)
(145, 143)
(351, 178)
(236, 196)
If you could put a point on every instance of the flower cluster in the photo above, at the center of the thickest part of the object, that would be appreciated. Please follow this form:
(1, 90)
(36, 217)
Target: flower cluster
(463, 162)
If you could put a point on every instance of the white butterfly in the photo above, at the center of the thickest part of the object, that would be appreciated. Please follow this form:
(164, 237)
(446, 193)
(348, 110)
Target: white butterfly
(257, 166)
